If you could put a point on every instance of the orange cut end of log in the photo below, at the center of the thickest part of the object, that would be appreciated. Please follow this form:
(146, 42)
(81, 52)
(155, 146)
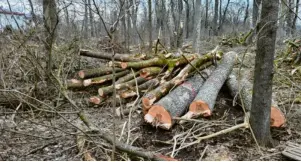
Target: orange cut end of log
(147, 102)
(81, 74)
(166, 158)
(87, 82)
(95, 100)
(144, 74)
(277, 117)
(158, 117)
(198, 108)
(123, 65)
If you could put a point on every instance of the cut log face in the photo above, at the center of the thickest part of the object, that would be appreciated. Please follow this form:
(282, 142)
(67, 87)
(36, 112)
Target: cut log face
(104, 78)
(162, 90)
(175, 103)
(204, 101)
(96, 72)
(244, 87)
(95, 100)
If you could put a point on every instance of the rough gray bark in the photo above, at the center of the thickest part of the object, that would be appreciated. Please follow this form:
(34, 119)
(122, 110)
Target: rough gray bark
(92, 29)
(246, 13)
(295, 17)
(106, 56)
(50, 23)
(187, 18)
(197, 24)
(289, 17)
(85, 23)
(256, 4)
(263, 78)
(174, 105)
(204, 102)
(150, 28)
(206, 14)
(215, 18)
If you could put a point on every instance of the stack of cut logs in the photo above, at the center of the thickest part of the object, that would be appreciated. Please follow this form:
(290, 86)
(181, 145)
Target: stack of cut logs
(171, 85)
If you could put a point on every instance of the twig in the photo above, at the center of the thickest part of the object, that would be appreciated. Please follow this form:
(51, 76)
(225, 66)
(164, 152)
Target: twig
(203, 153)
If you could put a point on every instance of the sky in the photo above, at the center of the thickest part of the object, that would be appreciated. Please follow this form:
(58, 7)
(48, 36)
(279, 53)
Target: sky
(16, 5)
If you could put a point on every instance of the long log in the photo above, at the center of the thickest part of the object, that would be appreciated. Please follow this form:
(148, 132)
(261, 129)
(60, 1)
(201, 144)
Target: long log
(158, 61)
(204, 101)
(244, 87)
(150, 71)
(108, 90)
(96, 72)
(149, 85)
(127, 77)
(74, 84)
(159, 92)
(107, 56)
(104, 78)
(176, 102)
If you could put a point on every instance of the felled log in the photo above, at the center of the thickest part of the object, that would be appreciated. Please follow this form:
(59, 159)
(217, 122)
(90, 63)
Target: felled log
(96, 72)
(176, 102)
(104, 78)
(204, 101)
(150, 71)
(162, 90)
(158, 61)
(74, 84)
(108, 90)
(108, 56)
(244, 87)
(127, 77)
(96, 100)
(149, 85)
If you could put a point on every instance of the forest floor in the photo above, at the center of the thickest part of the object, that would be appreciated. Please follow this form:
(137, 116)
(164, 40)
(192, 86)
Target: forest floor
(29, 132)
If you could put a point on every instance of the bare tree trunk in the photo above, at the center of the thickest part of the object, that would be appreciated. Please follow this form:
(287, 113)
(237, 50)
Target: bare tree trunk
(263, 75)
(289, 18)
(295, 18)
(50, 23)
(197, 24)
(187, 20)
(246, 13)
(206, 14)
(150, 28)
(256, 4)
(34, 18)
(215, 18)
(91, 19)
(224, 15)
(86, 20)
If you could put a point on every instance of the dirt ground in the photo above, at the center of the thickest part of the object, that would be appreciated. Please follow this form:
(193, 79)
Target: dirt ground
(31, 134)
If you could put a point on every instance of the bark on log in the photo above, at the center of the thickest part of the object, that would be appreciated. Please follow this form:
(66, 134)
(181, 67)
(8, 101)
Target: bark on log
(150, 71)
(108, 90)
(96, 72)
(176, 102)
(159, 92)
(127, 77)
(147, 86)
(74, 84)
(204, 102)
(154, 62)
(244, 86)
(107, 56)
(104, 78)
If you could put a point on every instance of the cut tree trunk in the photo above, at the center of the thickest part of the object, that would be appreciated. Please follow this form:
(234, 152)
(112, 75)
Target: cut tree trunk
(147, 86)
(96, 72)
(155, 62)
(161, 113)
(108, 90)
(104, 78)
(204, 102)
(244, 86)
(150, 71)
(127, 77)
(159, 92)
(108, 56)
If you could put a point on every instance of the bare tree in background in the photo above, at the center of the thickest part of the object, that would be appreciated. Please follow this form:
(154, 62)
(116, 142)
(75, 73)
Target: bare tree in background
(263, 75)
(256, 4)
(295, 17)
(246, 13)
(150, 28)
(215, 18)
(50, 23)
(197, 26)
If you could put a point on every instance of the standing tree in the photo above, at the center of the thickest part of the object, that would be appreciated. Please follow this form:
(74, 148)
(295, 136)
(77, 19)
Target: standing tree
(215, 18)
(246, 13)
(150, 28)
(50, 23)
(256, 4)
(296, 16)
(263, 75)
(197, 26)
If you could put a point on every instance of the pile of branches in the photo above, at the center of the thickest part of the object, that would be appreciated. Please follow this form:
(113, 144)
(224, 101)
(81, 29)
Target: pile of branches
(241, 39)
(293, 51)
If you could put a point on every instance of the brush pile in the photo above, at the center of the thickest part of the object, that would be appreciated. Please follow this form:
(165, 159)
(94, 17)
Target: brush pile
(170, 84)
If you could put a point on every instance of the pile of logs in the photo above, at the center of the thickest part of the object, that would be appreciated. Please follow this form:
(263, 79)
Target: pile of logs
(184, 85)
